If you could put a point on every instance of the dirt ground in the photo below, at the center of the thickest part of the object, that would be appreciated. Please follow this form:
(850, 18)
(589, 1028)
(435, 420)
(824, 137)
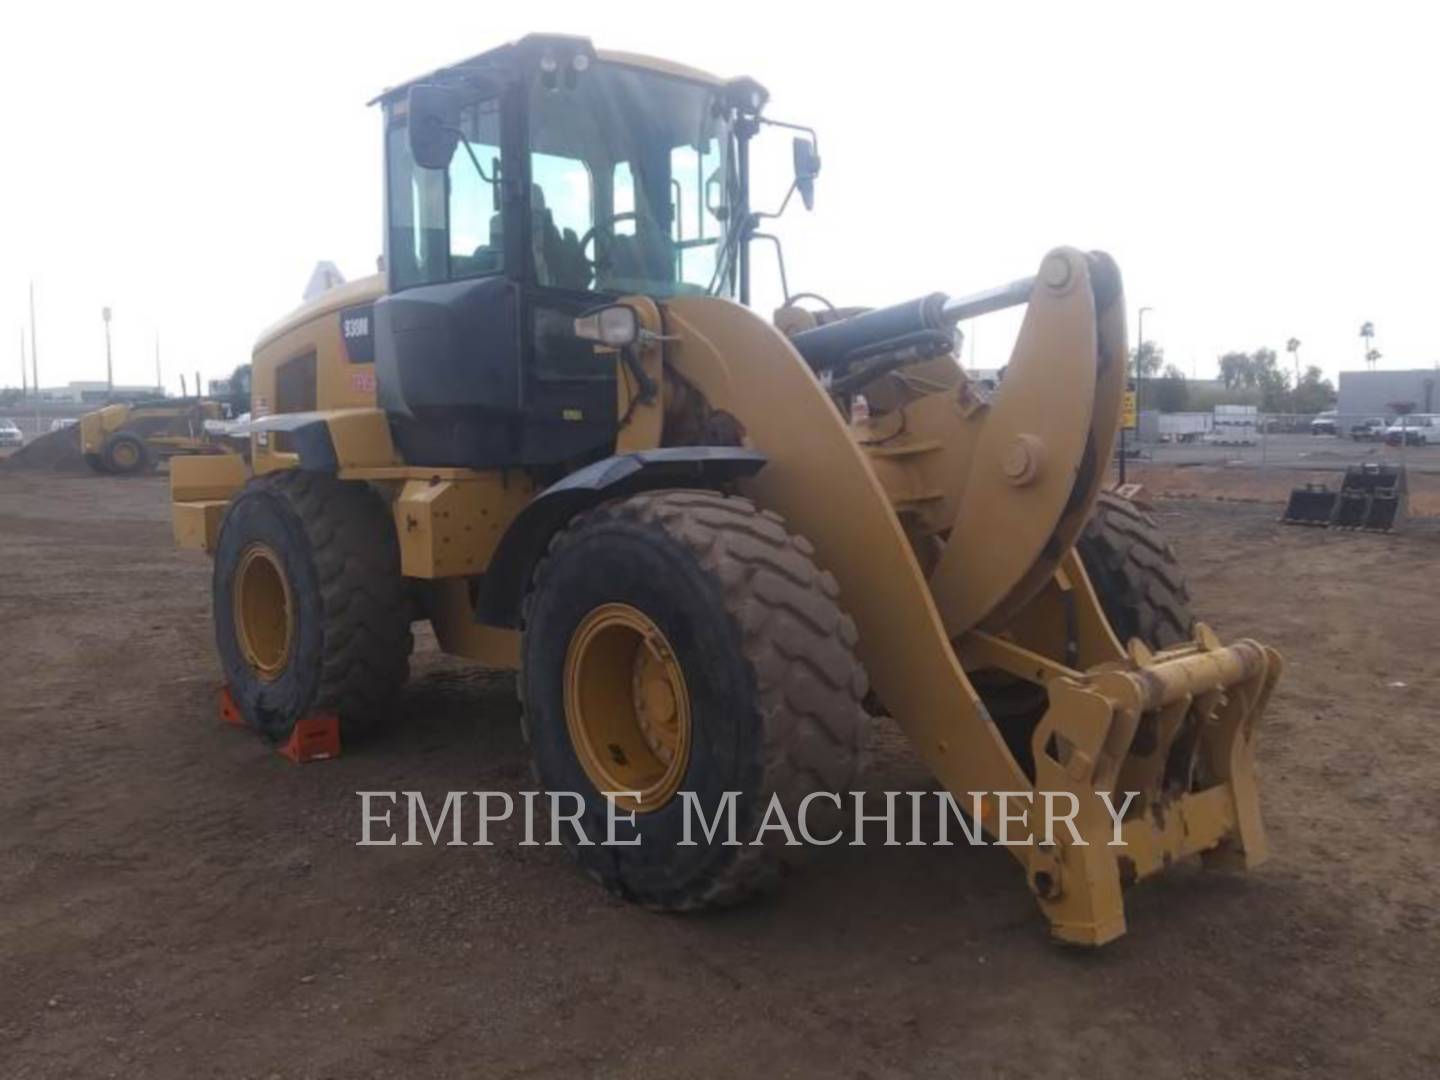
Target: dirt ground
(177, 900)
(1273, 485)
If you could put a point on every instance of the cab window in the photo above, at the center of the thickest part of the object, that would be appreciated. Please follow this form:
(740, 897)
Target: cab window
(562, 213)
(445, 224)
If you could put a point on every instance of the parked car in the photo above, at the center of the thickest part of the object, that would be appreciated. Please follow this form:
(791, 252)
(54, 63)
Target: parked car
(1326, 423)
(1413, 431)
(62, 423)
(1285, 425)
(228, 427)
(1371, 430)
(10, 434)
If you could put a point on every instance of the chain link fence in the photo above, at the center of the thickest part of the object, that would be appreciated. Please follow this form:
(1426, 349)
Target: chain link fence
(1254, 456)
(34, 420)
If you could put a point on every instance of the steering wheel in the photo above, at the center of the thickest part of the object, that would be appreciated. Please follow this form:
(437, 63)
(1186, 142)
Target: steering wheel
(593, 233)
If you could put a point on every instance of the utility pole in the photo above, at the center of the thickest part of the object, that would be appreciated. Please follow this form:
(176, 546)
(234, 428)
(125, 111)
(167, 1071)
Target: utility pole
(159, 382)
(34, 352)
(1140, 348)
(109, 366)
(1139, 353)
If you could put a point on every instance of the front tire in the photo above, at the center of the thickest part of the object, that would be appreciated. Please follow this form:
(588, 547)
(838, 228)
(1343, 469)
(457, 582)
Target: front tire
(718, 598)
(311, 612)
(1141, 590)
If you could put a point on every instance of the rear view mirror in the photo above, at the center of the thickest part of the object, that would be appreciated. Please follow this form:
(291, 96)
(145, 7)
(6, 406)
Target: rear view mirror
(434, 125)
(807, 168)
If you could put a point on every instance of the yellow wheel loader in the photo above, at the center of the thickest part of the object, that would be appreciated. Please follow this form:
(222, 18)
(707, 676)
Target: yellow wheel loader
(555, 429)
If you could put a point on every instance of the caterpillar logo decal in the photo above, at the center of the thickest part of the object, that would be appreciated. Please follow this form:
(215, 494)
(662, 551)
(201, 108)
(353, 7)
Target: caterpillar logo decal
(357, 331)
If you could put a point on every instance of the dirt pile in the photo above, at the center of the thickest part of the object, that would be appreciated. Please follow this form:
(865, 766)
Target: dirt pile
(56, 451)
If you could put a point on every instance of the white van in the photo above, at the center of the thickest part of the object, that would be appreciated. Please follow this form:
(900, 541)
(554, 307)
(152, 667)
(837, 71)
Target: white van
(1413, 431)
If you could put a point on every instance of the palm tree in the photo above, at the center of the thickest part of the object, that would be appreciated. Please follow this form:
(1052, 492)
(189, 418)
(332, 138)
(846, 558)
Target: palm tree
(1367, 331)
(1293, 348)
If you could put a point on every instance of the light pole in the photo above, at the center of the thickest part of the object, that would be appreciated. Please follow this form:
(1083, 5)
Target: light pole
(109, 366)
(1139, 367)
(1140, 343)
(1293, 348)
(34, 352)
(1367, 332)
(1139, 348)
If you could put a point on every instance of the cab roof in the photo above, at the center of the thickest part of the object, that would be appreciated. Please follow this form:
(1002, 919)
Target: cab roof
(513, 52)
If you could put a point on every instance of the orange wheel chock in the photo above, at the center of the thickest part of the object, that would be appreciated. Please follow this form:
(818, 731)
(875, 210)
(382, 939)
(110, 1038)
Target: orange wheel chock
(229, 711)
(315, 737)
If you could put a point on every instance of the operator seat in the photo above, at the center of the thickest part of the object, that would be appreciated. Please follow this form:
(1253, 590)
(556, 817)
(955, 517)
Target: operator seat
(639, 260)
(558, 259)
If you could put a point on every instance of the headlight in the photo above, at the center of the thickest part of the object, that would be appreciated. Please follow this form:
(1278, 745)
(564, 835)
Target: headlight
(616, 326)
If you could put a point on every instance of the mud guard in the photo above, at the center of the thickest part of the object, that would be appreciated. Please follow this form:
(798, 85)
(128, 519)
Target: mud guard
(497, 601)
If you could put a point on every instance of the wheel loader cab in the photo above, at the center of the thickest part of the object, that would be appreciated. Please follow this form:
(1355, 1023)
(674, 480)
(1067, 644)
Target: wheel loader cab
(525, 188)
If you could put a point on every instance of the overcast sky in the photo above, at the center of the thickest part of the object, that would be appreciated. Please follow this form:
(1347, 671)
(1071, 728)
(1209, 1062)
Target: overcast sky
(1258, 170)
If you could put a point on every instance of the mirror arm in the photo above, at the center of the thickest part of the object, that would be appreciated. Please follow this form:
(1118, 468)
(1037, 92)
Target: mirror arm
(814, 138)
(760, 214)
(779, 258)
(470, 152)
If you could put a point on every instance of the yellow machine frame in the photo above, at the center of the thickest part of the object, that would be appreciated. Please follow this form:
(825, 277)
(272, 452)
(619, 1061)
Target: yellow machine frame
(949, 521)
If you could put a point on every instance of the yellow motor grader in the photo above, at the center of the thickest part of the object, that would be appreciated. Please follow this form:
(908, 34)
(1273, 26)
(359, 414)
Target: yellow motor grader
(126, 438)
(555, 430)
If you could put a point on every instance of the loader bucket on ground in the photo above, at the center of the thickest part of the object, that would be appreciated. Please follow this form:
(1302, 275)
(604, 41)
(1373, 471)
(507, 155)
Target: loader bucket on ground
(1312, 504)
(1374, 497)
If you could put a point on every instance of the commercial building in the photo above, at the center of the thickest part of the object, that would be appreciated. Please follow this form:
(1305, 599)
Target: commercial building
(1378, 393)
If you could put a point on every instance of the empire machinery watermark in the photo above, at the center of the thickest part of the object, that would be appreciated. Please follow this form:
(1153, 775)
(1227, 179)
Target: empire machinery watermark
(552, 818)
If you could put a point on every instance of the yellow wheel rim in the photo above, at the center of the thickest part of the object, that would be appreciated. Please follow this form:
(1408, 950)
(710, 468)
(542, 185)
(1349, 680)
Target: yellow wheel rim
(626, 707)
(264, 614)
(126, 455)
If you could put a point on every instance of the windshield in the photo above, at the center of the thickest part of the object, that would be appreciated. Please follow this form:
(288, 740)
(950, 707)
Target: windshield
(633, 177)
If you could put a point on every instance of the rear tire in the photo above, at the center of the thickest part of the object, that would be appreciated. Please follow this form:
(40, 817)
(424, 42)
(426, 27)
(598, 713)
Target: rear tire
(773, 687)
(313, 566)
(124, 453)
(1135, 574)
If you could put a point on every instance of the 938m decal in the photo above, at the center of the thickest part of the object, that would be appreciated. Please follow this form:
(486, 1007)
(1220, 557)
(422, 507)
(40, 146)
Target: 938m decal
(357, 331)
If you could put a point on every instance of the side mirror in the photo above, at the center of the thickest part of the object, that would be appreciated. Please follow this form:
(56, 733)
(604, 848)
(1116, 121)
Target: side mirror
(434, 125)
(807, 168)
